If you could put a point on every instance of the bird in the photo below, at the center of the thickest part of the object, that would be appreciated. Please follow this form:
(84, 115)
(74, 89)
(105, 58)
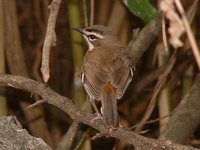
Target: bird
(106, 72)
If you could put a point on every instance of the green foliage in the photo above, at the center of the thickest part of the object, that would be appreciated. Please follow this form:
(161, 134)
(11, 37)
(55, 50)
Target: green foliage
(141, 8)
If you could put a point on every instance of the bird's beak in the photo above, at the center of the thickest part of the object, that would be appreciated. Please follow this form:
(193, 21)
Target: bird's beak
(79, 30)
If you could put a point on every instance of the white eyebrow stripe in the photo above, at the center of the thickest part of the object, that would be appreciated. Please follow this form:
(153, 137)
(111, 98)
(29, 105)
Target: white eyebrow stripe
(93, 33)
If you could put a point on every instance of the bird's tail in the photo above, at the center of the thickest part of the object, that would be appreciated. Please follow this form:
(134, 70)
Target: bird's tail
(109, 106)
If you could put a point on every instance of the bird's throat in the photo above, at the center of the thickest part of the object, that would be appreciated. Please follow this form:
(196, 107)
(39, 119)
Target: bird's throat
(90, 45)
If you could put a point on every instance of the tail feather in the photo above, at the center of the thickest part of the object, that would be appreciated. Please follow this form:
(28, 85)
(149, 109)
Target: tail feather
(109, 106)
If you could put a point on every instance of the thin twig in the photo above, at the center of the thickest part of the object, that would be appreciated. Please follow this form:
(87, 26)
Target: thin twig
(159, 85)
(71, 136)
(164, 35)
(85, 14)
(36, 104)
(190, 14)
(91, 12)
(116, 17)
(190, 35)
(80, 143)
(68, 139)
(154, 120)
(50, 39)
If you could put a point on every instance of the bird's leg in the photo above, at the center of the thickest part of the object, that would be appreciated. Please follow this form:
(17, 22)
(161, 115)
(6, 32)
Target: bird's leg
(99, 116)
(94, 106)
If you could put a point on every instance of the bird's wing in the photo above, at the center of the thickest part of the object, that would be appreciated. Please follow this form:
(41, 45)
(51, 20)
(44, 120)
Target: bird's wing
(121, 75)
(94, 77)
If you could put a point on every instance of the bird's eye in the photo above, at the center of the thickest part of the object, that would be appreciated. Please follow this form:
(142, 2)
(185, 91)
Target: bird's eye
(92, 37)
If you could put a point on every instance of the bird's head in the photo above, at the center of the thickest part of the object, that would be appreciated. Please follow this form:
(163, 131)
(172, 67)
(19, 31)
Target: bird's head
(98, 35)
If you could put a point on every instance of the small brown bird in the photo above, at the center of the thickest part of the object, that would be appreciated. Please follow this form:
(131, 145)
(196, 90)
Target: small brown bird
(106, 70)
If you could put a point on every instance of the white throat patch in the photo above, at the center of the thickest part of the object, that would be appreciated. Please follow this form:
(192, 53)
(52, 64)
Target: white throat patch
(90, 45)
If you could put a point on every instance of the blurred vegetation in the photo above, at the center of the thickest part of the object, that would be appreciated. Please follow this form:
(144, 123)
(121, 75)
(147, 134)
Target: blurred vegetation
(66, 58)
(142, 8)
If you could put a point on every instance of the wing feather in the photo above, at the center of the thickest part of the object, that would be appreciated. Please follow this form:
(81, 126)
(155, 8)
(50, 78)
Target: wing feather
(122, 76)
(94, 79)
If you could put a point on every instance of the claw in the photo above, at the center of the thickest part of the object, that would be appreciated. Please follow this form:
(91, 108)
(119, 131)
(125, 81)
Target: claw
(98, 116)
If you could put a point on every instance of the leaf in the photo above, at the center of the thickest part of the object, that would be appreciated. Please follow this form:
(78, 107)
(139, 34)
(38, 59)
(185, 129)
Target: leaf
(142, 8)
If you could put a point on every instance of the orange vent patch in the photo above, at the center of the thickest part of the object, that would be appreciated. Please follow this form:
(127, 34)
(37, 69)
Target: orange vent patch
(109, 87)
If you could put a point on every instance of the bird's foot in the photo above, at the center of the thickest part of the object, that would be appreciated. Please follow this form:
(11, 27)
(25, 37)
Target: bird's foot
(107, 133)
(98, 116)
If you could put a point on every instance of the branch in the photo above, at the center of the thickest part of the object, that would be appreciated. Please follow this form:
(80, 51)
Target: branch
(66, 105)
(186, 117)
(16, 64)
(13, 136)
(49, 39)
(147, 35)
